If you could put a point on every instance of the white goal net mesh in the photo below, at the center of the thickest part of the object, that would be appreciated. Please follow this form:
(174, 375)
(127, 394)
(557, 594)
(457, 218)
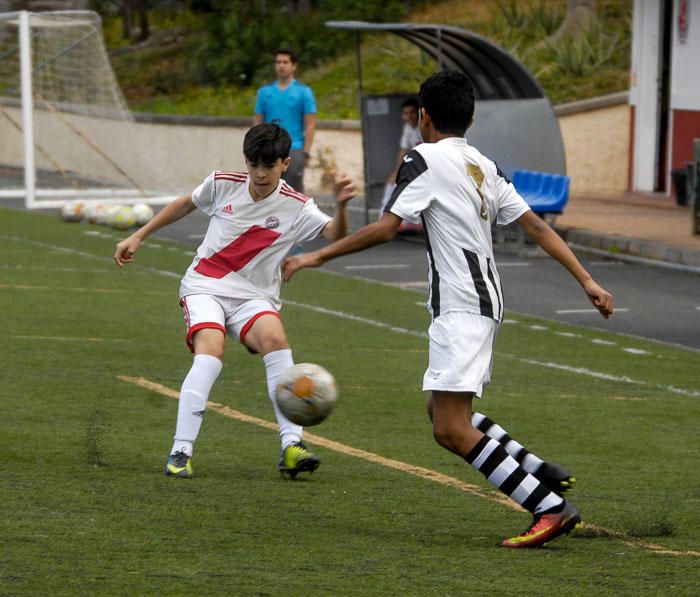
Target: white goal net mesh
(85, 141)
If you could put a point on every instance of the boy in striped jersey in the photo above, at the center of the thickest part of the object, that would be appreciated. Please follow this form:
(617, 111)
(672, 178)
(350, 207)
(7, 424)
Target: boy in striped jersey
(232, 286)
(459, 194)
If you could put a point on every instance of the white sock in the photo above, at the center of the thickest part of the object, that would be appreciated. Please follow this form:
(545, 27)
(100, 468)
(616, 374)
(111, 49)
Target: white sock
(276, 363)
(193, 401)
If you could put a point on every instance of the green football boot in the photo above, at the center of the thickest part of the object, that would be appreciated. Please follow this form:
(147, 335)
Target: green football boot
(296, 458)
(179, 465)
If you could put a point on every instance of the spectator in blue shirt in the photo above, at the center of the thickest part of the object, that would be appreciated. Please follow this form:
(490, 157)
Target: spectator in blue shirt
(292, 106)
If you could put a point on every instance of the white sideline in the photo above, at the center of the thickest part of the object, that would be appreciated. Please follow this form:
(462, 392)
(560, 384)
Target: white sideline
(400, 330)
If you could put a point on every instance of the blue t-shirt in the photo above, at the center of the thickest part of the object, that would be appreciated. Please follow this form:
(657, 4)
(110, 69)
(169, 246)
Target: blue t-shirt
(287, 106)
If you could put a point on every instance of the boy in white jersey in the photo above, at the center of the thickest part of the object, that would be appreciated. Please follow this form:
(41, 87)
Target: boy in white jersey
(233, 285)
(458, 194)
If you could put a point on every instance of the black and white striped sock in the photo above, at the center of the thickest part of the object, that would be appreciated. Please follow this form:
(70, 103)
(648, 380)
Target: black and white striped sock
(491, 459)
(525, 458)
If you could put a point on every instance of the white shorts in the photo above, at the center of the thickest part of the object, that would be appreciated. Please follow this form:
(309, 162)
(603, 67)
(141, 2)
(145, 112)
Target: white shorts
(232, 316)
(460, 353)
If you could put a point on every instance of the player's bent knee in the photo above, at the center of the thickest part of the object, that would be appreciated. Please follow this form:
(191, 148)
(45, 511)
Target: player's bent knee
(276, 341)
(209, 341)
(443, 436)
(451, 438)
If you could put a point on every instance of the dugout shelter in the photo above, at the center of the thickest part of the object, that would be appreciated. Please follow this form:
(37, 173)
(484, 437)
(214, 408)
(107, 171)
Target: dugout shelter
(514, 124)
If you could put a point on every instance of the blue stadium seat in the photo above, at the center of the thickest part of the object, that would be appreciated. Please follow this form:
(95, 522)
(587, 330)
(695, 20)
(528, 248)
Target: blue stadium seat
(545, 193)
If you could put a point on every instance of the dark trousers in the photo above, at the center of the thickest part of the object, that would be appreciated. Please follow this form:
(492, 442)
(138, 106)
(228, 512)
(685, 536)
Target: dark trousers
(294, 176)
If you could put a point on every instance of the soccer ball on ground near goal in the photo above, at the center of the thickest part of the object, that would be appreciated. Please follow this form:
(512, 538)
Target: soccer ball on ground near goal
(142, 213)
(306, 394)
(73, 211)
(121, 217)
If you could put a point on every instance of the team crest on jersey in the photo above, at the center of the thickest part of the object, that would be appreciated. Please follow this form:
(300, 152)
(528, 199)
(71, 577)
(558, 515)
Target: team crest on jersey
(272, 222)
(227, 209)
(478, 176)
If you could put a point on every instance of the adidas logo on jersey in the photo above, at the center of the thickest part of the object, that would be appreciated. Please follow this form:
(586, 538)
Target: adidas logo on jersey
(227, 209)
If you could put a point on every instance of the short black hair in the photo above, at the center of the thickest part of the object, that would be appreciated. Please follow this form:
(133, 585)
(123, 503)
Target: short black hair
(448, 97)
(288, 52)
(266, 143)
(411, 102)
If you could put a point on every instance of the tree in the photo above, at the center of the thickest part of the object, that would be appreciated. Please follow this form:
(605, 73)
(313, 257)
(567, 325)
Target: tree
(130, 10)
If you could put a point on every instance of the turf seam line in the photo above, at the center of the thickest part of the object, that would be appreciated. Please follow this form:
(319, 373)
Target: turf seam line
(418, 471)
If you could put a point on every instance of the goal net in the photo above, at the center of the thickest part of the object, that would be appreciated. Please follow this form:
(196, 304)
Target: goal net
(65, 127)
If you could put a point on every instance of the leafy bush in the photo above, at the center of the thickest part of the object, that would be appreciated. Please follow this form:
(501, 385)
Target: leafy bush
(238, 38)
(594, 47)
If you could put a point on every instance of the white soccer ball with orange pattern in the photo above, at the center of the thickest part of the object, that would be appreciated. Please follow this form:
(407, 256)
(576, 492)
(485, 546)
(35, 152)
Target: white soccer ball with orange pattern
(306, 394)
(73, 211)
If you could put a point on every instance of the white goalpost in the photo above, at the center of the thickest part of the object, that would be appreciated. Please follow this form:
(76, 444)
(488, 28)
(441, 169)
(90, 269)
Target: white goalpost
(66, 132)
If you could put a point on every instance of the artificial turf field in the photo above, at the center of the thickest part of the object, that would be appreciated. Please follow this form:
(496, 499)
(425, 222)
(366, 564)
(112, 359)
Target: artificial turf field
(91, 356)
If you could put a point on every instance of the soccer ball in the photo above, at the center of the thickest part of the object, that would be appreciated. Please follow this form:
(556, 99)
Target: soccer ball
(96, 213)
(73, 211)
(142, 213)
(121, 217)
(306, 394)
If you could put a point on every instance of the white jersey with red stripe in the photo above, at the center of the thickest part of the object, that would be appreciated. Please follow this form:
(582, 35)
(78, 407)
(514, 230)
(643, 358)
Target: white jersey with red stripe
(247, 240)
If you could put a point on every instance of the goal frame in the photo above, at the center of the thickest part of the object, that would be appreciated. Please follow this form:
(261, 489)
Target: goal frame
(38, 198)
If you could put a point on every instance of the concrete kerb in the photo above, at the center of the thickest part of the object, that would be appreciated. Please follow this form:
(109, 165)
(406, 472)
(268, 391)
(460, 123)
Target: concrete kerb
(631, 249)
(617, 247)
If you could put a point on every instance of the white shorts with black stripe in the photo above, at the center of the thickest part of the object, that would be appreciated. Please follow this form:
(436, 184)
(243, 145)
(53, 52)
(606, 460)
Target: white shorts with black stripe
(460, 352)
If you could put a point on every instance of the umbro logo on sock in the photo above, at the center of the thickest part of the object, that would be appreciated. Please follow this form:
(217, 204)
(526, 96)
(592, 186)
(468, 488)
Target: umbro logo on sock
(227, 209)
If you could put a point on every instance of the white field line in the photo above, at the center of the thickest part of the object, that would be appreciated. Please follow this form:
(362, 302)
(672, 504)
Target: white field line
(549, 365)
(372, 322)
(595, 311)
(400, 330)
(378, 266)
(599, 375)
(69, 251)
(405, 467)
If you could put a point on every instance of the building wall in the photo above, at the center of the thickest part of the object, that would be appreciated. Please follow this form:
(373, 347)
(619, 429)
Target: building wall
(643, 96)
(175, 157)
(684, 91)
(685, 81)
(597, 150)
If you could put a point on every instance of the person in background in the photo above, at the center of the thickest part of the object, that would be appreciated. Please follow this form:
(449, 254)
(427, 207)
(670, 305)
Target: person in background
(291, 105)
(410, 137)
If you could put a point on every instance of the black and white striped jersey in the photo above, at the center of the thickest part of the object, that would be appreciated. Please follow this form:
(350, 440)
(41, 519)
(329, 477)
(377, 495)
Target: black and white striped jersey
(458, 194)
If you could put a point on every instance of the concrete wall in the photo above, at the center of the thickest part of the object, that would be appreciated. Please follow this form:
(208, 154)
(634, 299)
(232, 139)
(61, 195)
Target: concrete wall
(597, 145)
(174, 154)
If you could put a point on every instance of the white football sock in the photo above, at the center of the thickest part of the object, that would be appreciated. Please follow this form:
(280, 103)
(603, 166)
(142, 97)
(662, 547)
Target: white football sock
(276, 363)
(193, 401)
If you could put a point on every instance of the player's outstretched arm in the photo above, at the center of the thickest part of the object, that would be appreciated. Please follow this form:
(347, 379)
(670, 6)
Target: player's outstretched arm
(378, 232)
(170, 213)
(550, 241)
(344, 191)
